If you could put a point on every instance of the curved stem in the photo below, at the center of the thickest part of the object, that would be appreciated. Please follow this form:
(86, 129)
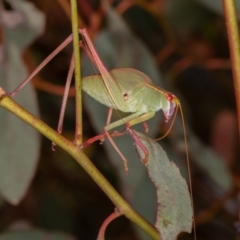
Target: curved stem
(109, 219)
(81, 158)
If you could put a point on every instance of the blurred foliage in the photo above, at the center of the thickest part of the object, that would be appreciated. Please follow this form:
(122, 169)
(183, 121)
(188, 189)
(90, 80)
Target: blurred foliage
(19, 28)
(190, 47)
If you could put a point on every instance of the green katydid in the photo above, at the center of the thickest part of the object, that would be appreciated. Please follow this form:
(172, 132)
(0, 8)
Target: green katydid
(127, 90)
(124, 89)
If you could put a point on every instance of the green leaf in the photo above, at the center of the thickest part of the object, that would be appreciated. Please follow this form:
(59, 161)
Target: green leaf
(34, 234)
(175, 213)
(19, 143)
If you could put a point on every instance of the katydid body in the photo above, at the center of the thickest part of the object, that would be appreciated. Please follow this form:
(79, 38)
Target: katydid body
(125, 89)
(141, 96)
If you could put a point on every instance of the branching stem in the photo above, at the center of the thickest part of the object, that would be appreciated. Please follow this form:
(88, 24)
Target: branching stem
(81, 158)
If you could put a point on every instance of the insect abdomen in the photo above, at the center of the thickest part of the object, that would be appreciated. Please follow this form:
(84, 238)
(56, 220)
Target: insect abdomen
(94, 86)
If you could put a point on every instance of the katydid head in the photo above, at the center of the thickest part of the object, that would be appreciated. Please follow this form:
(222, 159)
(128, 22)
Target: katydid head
(173, 101)
(172, 98)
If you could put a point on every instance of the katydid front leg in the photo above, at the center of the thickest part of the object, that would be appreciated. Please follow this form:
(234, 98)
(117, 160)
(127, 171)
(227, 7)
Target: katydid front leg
(138, 142)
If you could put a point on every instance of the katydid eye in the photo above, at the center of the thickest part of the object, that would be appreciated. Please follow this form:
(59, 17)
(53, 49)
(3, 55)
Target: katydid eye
(125, 96)
(169, 97)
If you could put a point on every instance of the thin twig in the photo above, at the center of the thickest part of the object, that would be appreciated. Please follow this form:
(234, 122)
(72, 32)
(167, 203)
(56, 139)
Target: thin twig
(67, 9)
(78, 82)
(109, 219)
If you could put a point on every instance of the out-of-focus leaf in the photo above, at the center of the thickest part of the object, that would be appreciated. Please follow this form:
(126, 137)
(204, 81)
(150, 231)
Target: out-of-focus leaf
(196, 16)
(203, 156)
(212, 163)
(197, 12)
(175, 213)
(34, 235)
(19, 143)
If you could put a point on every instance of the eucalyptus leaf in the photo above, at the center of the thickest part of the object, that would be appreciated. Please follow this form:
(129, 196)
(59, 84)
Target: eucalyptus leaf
(175, 213)
(19, 143)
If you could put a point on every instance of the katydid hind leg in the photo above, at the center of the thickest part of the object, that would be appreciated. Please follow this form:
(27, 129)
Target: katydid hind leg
(109, 116)
(92, 140)
(100, 138)
(110, 110)
(139, 143)
(41, 65)
(117, 150)
(145, 126)
(129, 121)
(115, 93)
(86, 50)
(65, 97)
